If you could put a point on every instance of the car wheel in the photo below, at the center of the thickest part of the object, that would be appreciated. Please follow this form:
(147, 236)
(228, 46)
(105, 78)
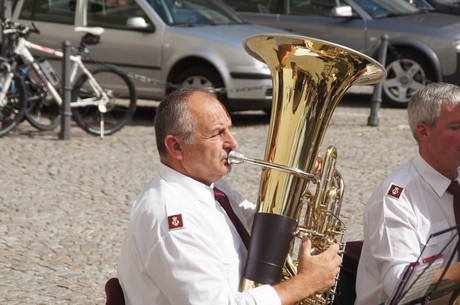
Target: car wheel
(407, 72)
(203, 77)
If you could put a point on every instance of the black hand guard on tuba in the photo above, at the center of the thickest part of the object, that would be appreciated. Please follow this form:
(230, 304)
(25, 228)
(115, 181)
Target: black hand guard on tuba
(310, 76)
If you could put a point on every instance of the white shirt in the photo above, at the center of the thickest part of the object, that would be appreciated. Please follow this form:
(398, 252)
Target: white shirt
(181, 248)
(404, 210)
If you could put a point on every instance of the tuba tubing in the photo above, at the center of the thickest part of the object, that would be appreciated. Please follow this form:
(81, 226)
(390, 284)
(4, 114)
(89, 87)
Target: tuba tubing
(235, 157)
(309, 78)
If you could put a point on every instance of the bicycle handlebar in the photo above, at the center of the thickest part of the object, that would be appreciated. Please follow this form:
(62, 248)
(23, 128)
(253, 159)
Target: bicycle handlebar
(11, 27)
(91, 35)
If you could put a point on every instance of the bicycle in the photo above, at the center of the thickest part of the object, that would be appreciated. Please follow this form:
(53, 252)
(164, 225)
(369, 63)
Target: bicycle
(103, 97)
(13, 97)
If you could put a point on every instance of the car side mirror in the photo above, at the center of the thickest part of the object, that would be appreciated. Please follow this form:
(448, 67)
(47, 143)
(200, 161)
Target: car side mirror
(139, 24)
(344, 11)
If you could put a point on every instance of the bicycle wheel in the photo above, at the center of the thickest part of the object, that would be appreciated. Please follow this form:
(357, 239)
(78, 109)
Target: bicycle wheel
(42, 109)
(13, 111)
(120, 109)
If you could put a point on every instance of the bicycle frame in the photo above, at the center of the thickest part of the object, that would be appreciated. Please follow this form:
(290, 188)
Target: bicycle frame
(46, 88)
(23, 50)
(6, 83)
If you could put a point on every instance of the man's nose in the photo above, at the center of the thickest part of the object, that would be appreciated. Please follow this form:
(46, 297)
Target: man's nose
(231, 141)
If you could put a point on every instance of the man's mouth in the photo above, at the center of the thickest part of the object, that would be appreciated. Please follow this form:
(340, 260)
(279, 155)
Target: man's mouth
(225, 158)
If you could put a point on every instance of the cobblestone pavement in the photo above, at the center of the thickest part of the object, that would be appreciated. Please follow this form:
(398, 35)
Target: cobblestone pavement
(64, 205)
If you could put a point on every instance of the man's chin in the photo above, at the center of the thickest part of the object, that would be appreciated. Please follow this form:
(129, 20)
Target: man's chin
(229, 169)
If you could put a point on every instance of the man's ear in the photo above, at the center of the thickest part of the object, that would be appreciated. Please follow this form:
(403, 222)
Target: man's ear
(174, 147)
(423, 132)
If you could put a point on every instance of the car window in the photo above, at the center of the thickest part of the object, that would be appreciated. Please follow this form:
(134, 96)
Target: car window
(312, 7)
(289, 7)
(433, 4)
(195, 12)
(58, 11)
(113, 13)
(255, 6)
(387, 8)
(447, 2)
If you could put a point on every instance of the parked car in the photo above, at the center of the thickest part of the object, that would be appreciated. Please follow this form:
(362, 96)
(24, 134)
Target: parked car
(164, 43)
(423, 47)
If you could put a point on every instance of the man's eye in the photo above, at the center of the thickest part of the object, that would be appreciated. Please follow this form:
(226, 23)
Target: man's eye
(216, 134)
(219, 133)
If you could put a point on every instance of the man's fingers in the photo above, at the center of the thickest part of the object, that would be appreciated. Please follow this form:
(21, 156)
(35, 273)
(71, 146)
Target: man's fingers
(306, 246)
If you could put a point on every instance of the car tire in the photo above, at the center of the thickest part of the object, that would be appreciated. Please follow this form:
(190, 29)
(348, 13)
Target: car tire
(407, 72)
(202, 77)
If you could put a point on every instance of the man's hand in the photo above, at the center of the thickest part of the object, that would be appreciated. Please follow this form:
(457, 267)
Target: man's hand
(315, 274)
(453, 273)
(318, 164)
(320, 269)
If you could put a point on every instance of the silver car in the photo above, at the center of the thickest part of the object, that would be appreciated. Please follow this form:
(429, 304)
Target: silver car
(423, 46)
(162, 43)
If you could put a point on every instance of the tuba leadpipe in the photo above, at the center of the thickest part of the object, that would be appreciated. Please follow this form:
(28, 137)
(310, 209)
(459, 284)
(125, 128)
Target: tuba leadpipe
(235, 157)
(309, 78)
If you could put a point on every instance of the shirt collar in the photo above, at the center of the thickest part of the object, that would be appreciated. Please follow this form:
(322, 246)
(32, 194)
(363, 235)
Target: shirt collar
(438, 182)
(194, 188)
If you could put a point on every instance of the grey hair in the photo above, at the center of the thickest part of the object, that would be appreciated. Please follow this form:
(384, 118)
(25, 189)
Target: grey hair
(173, 117)
(425, 105)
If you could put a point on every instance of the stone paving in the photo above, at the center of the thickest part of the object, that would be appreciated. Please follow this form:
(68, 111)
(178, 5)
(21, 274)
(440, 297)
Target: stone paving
(64, 205)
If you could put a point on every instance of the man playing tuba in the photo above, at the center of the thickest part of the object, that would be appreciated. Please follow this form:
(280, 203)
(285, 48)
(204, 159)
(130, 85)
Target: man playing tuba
(181, 246)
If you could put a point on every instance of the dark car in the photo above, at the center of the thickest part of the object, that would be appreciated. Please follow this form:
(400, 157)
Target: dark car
(423, 46)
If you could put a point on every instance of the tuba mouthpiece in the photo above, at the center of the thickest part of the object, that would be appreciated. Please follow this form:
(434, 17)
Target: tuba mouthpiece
(235, 157)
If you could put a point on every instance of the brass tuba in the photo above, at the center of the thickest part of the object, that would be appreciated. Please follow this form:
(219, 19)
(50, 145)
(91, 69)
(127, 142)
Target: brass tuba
(309, 77)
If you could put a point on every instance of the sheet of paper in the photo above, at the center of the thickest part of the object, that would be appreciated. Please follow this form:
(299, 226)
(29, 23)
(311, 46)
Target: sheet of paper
(420, 280)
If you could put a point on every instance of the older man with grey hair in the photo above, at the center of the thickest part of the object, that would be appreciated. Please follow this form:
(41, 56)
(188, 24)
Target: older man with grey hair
(414, 201)
(186, 244)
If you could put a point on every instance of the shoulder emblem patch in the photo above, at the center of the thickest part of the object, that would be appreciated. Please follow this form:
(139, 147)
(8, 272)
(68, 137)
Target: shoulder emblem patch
(395, 191)
(175, 222)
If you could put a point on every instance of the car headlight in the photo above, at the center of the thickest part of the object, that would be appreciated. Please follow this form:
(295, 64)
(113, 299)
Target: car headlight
(456, 44)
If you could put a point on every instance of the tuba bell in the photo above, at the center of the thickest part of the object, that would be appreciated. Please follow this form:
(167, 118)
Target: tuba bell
(309, 78)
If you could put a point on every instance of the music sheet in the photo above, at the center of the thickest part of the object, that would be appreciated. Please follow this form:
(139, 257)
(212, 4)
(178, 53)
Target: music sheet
(417, 279)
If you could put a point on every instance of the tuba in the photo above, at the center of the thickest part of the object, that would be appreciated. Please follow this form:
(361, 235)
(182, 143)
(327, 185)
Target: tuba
(309, 78)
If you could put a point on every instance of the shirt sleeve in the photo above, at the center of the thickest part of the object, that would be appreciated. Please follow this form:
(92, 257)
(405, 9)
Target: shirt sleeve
(265, 295)
(393, 237)
(189, 270)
